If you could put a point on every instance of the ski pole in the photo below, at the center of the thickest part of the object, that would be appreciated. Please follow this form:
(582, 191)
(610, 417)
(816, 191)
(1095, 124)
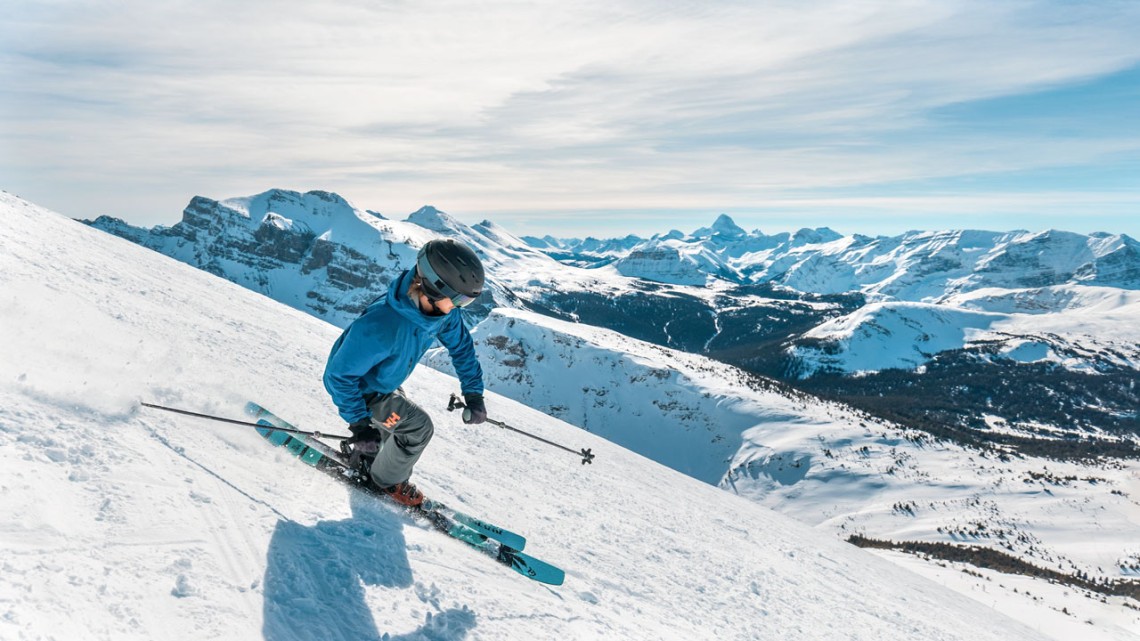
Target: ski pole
(245, 423)
(585, 453)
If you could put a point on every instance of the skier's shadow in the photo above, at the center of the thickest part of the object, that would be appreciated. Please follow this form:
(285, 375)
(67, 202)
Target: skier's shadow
(315, 578)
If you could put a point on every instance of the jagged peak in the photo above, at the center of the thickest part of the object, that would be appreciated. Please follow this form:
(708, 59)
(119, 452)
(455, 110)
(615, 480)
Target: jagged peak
(546, 242)
(329, 197)
(818, 235)
(724, 221)
(722, 226)
(428, 210)
(498, 234)
(434, 219)
(290, 204)
(105, 219)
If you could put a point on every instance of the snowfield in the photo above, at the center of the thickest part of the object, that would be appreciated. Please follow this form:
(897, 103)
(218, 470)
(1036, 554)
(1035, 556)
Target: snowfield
(835, 468)
(1085, 324)
(123, 523)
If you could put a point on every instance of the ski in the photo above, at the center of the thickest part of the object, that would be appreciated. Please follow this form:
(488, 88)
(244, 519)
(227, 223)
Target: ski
(501, 544)
(506, 537)
(320, 455)
(307, 448)
(520, 562)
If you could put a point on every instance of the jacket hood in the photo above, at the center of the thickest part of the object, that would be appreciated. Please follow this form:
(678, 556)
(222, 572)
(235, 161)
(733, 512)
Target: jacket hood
(398, 300)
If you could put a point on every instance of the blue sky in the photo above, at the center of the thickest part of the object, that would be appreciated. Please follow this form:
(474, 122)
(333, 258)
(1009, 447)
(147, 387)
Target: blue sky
(585, 118)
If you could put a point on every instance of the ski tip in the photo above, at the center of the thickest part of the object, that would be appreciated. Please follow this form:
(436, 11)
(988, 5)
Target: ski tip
(554, 578)
(533, 568)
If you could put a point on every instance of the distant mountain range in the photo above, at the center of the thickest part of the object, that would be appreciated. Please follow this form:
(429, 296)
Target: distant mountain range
(916, 266)
(855, 318)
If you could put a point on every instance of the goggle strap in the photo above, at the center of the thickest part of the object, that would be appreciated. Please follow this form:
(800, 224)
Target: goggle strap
(436, 289)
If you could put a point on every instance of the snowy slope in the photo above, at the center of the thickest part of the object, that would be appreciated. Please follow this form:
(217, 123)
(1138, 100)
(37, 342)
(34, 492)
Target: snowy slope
(829, 465)
(674, 262)
(125, 524)
(682, 410)
(1074, 325)
(885, 335)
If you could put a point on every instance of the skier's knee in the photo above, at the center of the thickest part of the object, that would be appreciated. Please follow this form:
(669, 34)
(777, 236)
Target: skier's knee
(428, 429)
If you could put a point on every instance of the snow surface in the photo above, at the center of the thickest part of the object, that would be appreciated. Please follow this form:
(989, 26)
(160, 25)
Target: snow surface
(1084, 324)
(831, 466)
(124, 523)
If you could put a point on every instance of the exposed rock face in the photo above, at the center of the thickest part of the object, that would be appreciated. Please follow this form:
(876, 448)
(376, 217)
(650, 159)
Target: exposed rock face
(314, 251)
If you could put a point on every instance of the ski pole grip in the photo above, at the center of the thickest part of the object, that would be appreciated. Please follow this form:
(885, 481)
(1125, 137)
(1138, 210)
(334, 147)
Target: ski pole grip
(455, 404)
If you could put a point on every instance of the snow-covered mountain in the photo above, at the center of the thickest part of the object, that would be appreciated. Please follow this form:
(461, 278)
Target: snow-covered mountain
(915, 266)
(315, 251)
(937, 269)
(127, 524)
(1077, 327)
(587, 252)
(902, 320)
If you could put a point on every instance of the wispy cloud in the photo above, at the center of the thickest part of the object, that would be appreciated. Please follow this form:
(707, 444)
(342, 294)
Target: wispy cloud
(509, 108)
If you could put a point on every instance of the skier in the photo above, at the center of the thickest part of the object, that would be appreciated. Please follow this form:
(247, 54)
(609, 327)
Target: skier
(379, 350)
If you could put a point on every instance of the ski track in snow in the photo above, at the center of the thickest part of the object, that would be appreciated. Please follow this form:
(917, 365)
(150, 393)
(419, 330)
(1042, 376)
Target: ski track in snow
(126, 524)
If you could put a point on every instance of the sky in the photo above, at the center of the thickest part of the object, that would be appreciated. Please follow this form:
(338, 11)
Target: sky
(587, 117)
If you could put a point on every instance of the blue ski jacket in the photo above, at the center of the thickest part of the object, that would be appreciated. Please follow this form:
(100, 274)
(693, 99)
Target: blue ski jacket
(379, 350)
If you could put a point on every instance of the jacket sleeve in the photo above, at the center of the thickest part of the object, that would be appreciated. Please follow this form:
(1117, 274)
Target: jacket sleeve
(355, 353)
(455, 337)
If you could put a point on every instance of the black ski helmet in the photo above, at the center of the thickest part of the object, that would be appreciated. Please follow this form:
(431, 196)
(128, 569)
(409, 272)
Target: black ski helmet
(450, 269)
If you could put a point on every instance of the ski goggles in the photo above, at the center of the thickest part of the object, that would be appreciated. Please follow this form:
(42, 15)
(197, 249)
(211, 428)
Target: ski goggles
(435, 289)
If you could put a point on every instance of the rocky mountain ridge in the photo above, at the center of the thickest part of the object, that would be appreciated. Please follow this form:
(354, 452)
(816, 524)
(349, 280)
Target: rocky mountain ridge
(314, 251)
(915, 266)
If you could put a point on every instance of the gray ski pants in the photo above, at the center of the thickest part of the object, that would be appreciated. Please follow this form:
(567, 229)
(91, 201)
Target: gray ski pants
(405, 430)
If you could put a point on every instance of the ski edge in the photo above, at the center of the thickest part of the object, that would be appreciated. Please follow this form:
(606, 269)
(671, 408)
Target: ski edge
(522, 563)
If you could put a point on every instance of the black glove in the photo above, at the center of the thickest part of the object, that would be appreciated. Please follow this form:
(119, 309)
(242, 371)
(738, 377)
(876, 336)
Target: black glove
(363, 432)
(476, 411)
